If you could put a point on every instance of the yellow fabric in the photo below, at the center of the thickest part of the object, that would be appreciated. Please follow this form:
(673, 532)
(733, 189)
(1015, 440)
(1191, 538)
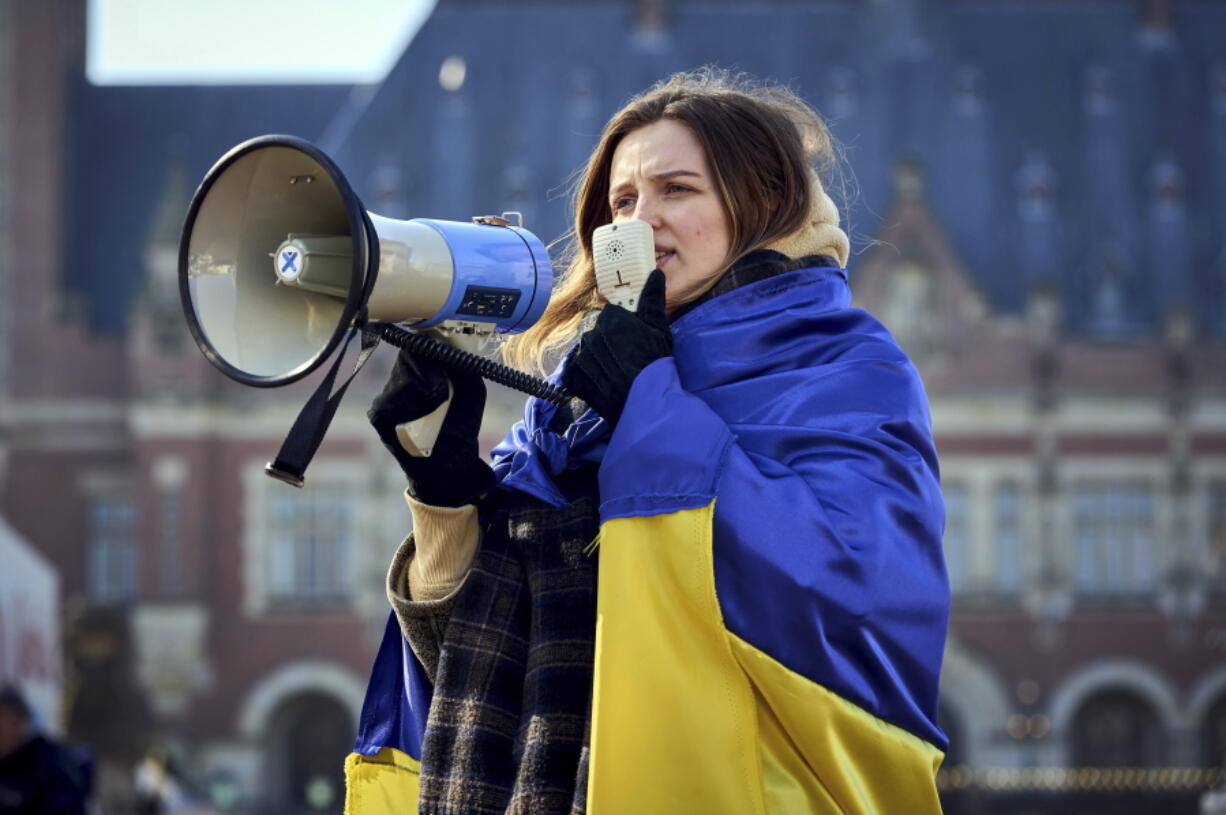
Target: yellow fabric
(690, 720)
(383, 784)
(672, 719)
(821, 753)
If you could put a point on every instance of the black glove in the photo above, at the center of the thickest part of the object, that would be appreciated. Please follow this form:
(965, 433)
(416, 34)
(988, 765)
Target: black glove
(620, 345)
(453, 474)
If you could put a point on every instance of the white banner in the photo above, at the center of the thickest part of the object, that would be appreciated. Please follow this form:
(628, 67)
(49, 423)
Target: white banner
(30, 626)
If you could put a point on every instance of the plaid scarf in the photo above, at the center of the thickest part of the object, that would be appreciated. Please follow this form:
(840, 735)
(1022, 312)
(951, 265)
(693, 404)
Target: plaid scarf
(509, 723)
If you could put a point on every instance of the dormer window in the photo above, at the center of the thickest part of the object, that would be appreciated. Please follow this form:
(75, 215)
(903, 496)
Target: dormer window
(1217, 88)
(1036, 183)
(841, 92)
(1108, 307)
(582, 85)
(1166, 182)
(1100, 96)
(389, 188)
(909, 312)
(968, 91)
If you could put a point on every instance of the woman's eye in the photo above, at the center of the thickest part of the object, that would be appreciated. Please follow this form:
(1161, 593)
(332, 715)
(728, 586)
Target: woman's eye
(671, 188)
(622, 203)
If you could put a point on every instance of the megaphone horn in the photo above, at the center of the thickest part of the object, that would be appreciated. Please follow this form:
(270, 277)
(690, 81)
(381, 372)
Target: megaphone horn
(279, 263)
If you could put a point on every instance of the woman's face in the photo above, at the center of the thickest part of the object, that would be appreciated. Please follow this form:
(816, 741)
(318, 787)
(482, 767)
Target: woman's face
(660, 175)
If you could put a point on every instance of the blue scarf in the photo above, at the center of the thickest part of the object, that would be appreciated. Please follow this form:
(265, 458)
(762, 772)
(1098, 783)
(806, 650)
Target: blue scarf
(534, 453)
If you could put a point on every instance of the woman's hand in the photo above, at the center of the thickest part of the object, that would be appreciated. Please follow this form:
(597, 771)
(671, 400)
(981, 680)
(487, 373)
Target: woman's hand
(620, 345)
(453, 474)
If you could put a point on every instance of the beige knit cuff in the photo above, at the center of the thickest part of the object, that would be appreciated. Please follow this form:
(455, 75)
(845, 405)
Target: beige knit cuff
(447, 539)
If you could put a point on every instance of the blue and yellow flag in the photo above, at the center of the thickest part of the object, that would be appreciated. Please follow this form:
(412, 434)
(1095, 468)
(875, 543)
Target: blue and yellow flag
(772, 600)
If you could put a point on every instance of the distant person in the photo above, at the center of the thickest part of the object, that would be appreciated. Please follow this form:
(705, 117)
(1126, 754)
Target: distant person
(157, 791)
(711, 583)
(37, 776)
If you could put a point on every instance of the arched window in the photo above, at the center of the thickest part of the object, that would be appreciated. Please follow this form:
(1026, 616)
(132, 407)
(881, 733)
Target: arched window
(1117, 728)
(305, 747)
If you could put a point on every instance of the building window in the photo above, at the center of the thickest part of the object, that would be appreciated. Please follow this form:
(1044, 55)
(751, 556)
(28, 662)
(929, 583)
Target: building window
(957, 536)
(1117, 728)
(909, 310)
(1009, 538)
(1213, 736)
(310, 546)
(1217, 535)
(169, 333)
(1113, 532)
(169, 474)
(111, 564)
(170, 537)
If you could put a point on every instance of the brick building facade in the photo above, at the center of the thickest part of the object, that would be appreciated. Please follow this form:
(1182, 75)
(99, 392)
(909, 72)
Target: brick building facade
(1045, 243)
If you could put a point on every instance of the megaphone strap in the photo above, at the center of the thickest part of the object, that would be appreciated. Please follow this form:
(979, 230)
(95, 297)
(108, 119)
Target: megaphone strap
(312, 423)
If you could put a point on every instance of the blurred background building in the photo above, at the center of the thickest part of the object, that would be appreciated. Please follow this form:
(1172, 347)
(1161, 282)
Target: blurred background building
(1037, 196)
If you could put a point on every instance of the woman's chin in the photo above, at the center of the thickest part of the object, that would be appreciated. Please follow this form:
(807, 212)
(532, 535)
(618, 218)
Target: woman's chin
(674, 296)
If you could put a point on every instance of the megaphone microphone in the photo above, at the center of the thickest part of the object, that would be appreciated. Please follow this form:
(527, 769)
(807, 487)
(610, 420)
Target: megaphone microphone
(280, 265)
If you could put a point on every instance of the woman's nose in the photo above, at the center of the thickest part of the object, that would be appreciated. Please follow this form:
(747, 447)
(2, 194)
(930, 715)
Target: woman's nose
(645, 210)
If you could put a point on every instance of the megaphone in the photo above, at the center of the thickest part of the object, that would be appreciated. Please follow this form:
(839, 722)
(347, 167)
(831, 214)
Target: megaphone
(279, 263)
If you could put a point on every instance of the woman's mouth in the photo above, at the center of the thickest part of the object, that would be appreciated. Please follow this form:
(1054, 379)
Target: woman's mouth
(663, 257)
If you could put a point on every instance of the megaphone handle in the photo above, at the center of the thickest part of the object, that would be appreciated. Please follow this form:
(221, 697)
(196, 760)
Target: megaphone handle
(453, 357)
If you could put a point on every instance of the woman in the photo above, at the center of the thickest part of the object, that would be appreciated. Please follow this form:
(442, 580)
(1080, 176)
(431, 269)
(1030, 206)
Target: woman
(720, 589)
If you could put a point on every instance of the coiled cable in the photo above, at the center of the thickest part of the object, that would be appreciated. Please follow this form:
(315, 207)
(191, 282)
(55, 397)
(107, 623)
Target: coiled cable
(453, 357)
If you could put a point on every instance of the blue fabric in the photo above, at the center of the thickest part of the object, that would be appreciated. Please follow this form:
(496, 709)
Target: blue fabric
(532, 454)
(665, 456)
(805, 422)
(397, 698)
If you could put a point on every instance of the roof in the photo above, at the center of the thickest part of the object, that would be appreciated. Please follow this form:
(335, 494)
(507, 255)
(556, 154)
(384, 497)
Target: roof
(1073, 143)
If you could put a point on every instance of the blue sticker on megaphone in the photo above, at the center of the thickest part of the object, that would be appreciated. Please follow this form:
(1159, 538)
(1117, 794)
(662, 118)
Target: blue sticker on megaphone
(289, 262)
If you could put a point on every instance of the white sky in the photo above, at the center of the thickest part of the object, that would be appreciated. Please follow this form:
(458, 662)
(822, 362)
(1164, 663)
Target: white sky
(188, 42)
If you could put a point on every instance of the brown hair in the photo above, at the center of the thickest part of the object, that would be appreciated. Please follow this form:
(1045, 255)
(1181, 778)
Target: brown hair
(762, 142)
